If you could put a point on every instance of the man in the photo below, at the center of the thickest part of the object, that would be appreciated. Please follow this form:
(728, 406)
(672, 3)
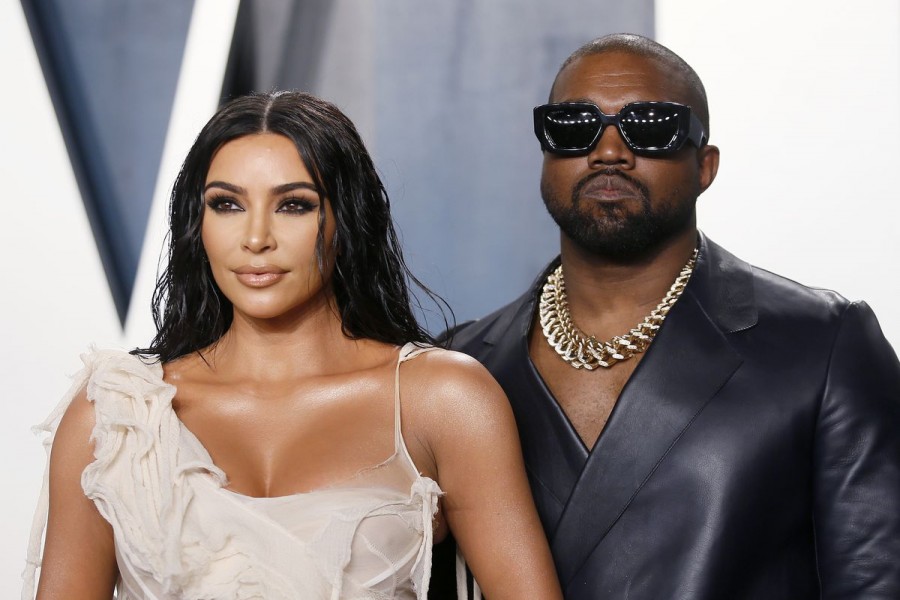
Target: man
(744, 440)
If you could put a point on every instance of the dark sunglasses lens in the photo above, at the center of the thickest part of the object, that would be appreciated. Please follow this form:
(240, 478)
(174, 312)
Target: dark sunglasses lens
(651, 127)
(571, 128)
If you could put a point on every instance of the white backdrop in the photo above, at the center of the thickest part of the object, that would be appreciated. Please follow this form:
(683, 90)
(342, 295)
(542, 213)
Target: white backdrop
(805, 103)
(55, 300)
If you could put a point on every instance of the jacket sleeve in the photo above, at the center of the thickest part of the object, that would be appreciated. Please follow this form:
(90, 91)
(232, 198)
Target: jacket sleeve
(856, 484)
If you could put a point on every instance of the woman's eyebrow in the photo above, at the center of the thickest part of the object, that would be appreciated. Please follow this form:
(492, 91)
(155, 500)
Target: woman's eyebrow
(228, 187)
(297, 185)
(278, 189)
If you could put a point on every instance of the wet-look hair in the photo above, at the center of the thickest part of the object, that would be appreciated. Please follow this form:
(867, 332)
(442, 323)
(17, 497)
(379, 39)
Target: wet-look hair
(370, 280)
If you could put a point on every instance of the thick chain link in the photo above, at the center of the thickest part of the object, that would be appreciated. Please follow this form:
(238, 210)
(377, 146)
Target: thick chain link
(586, 352)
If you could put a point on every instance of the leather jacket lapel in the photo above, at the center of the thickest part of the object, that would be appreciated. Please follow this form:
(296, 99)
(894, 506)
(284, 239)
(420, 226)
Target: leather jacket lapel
(555, 463)
(690, 360)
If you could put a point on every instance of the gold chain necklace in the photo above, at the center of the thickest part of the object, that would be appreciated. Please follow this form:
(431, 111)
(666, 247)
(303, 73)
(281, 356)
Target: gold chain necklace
(586, 352)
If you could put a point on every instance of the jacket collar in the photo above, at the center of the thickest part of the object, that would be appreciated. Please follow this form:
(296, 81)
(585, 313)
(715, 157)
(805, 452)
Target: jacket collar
(516, 318)
(722, 284)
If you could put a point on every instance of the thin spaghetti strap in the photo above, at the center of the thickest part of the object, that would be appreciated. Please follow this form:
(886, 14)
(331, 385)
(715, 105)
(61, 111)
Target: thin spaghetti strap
(397, 434)
(462, 580)
(407, 352)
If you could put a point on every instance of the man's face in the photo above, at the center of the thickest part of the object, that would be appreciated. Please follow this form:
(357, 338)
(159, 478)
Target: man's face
(611, 202)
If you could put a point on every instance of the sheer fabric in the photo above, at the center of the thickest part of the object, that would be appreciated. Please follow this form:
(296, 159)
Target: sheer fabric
(180, 534)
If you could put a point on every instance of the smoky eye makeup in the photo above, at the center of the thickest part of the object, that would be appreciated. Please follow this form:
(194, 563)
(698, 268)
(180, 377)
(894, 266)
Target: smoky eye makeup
(294, 198)
(297, 205)
(222, 204)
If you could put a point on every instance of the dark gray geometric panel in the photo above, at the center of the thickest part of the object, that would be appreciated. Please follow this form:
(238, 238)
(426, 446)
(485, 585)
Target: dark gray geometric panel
(277, 44)
(111, 67)
(456, 84)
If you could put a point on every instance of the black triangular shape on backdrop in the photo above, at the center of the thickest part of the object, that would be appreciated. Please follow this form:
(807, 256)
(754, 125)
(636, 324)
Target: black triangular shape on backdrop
(111, 68)
(277, 44)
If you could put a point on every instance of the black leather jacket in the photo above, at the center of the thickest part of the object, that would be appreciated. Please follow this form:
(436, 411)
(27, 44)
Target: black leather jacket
(754, 453)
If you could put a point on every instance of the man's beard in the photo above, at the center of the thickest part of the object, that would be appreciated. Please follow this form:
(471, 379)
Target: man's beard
(609, 230)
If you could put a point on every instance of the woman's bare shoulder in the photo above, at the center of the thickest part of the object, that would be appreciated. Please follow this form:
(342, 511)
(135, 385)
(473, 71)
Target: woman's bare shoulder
(72, 441)
(80, 408)
(453, 388)
(186, 368)
(442, 371)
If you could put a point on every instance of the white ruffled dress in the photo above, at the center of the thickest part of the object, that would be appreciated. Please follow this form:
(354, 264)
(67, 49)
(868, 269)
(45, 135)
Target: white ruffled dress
(179, 534)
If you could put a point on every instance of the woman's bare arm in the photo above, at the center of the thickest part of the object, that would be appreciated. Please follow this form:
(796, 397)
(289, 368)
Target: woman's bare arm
(79, 556)
(472, 436)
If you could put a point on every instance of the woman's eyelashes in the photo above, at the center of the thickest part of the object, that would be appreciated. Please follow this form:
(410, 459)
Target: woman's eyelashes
(223, 204)
(291, 205)
(298, 206)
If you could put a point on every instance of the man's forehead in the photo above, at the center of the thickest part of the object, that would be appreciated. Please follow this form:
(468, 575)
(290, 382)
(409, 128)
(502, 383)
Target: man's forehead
(613, 73)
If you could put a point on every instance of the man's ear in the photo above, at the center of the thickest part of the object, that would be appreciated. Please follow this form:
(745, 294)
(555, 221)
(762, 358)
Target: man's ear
(708, 163)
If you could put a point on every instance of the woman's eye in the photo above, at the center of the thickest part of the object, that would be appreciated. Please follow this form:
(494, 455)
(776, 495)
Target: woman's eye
(223, 205)
(297, 206)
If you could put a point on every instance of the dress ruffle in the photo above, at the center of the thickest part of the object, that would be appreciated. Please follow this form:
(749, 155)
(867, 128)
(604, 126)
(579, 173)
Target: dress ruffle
(177, 533)
(147, 489)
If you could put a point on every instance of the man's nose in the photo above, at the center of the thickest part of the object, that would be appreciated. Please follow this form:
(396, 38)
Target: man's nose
(611, 149)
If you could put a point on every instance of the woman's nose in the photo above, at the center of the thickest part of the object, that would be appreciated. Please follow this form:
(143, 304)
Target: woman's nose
(258, 236)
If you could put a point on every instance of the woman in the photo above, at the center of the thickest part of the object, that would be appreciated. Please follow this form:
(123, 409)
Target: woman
(289, 433)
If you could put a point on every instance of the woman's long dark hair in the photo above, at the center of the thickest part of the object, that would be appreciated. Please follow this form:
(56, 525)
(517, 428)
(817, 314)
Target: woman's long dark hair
(370, 277)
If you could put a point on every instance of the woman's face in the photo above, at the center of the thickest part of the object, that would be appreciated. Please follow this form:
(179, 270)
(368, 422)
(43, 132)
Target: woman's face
(260, 224)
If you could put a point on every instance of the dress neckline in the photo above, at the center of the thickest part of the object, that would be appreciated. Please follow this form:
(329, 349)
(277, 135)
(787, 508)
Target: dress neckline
(405, 352)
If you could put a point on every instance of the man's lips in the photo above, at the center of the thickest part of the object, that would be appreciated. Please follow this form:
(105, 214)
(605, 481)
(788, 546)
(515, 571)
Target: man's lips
(259, 276)
(609, 187)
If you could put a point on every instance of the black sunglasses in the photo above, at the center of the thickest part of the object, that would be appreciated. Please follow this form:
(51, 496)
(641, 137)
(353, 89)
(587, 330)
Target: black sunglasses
(649, 128)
